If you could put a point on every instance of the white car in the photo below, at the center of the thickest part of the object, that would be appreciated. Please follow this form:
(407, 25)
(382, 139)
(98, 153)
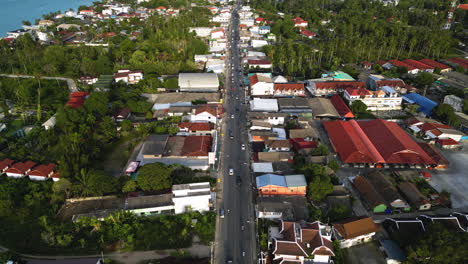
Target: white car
(231, 171)
(243, 146)
(232, 116)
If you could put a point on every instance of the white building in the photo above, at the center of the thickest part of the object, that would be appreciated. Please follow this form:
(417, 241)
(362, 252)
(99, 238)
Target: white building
(217, 33)
(380, 100)
(192, 197)
(204, 114)
(454, 101)
(128, 76)
(198, 82)
(258, 43)
(261, 84)
(202, 32)
(264, 105)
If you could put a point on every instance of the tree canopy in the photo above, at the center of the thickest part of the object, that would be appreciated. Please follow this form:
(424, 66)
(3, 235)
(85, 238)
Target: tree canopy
(154, 176)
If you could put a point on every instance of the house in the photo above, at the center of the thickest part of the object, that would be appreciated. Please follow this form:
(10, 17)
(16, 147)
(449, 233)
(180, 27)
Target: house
(425, 105)
(278, 145)
(262, 30)
(288, 89)
(264, 105)
(322, 108)
(384, 186)
(192, 197)
(306, 33)
(204, 113)
(369, 194)
(261, 84)
(20, 169)
(299, 22)
(380, 100)
(41, 172)
(454, 101)
(341, 107)
(324, 88)
(354, 231)
(302, 146)
(274, 156)
(436, 65)
(122, 114)
(463, 121)
(5, 164)
(77, 99)
(376, 82)
(259, 64)
(297, 242)
(202, 32)
(262, 167)
(448, 143)
(128, 76)
(273, 184)
(197, 146)
(396, 63)
(294, 105)
(218, 33)
(419, 65)
(196, 129)
(279, 79)
(198, 82)
(258, 43)
(163, 101)
(414, 196)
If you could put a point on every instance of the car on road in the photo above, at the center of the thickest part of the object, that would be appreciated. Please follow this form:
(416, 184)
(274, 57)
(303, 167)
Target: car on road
(231, 171)
(231, 136)
(238, 180)
(221, 213)
(232, 116)
(243, 146)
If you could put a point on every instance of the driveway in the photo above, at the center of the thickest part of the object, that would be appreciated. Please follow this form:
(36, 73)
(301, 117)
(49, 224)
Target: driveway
(367, 253)
(455, 178)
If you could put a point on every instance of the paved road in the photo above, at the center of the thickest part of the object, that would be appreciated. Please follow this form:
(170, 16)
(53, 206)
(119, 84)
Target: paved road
(70, 82)
(236, 233)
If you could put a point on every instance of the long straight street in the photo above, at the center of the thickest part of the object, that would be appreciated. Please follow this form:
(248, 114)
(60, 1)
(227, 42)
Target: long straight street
(236, 233)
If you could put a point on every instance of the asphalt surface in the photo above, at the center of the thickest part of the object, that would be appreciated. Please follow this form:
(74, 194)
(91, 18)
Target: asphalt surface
(236, 233)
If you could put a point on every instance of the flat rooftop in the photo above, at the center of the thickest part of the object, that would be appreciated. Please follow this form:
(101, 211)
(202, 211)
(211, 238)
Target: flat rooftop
(167, 98)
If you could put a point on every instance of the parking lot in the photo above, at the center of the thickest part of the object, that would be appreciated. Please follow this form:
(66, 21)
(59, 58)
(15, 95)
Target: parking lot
(455, 178)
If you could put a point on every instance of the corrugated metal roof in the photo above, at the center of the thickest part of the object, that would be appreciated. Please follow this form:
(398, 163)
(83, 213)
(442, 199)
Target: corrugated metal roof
(271, 179)
(262, 167)
(297, 180)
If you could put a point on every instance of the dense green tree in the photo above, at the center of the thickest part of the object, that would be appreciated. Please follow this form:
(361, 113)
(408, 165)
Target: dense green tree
(154, 176)
(319, 187)
(446, 113)
(358, 107)
(423, 80)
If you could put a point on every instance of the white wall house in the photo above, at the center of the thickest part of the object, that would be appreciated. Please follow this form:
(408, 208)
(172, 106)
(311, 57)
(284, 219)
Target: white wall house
(204, 114)
(354, 231)
(454, 101)
(385, 99)
(128, 76)
(261, 84)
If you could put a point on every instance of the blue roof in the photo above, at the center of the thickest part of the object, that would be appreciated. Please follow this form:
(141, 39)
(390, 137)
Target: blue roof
(393, 250)
(271, 179)
(425, 104)
(264, 27)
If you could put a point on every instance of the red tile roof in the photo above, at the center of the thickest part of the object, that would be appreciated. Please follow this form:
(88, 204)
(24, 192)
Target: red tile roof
(288, 87)
(300, 143)
(42, 170)
(299, 20)
(196, 146)
(418, 65)
(358, 92)
(430, 126)
(463, 6)
(206, 108)
(375, 141)
(307, 33)
(339, 85)
(447, 142)
(260, 19)
(398, 63)
(354, 227)
(341, 107)
(461, 62)
(77, 99)
(434, 64)
(21, 167)
(259, 62)
(253, 79)
(197, 126)
(4, 164)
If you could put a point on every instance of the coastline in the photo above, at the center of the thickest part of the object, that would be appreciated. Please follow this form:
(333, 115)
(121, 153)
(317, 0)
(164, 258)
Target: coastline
(13, 12)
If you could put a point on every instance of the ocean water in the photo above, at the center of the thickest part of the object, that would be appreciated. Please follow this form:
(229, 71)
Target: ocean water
(13, 12)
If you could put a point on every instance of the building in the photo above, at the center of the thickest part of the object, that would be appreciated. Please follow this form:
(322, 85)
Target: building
(288, 89)
(299, 22)
(294, 105)
(385, 187)
(277, 145)
(192, 197)
(20, 169)
(41, 172)
(463, 121)
(416, 199)
(164, 101)
(77, 99)
(455, 102)
(322, 108)
(372, 198)
(204, 114)
(196, 129)
(306, 33)
(308, 134)
(354, 231)
(259, 64)
(323, 88)
(271, 118)
(273, 184)
(128, 76)
(341, 107)
(376, 82)
(261, 84)
(375, 143)
(122, 114)
(393, 253)
(5, 164)
(380, 100)
(436, 65)
(419, 65)
(198, 82)
(264, 105)
(425, 105)
(297, 242)
(396, 63)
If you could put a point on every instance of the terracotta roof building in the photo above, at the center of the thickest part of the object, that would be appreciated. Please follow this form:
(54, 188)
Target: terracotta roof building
(5, 164)
(19, 169)
(303, 240)
(371, 196)
(375, 142)
(341, 107)
(197, 146)
(354, 231)
(41, 172)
